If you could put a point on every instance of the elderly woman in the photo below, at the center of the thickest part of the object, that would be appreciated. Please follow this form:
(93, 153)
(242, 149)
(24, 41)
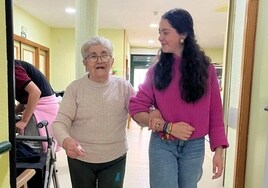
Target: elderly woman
(91, 121)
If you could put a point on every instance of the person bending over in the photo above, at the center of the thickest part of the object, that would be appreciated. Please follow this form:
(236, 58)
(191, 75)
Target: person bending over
(36, 101)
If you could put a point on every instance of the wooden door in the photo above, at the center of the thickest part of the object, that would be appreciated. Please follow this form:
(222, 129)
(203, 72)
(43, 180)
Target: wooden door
(33, 53)
(16, 50)
(28, 53)
(43, 67)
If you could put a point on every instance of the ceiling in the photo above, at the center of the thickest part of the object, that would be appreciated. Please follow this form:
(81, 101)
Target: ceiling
(210, 17)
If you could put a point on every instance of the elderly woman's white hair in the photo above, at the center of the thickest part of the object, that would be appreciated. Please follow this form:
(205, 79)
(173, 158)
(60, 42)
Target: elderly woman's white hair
(95, 41)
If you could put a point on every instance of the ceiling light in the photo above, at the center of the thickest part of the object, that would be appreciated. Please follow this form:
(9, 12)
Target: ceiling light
(151, 41)
(70, 10)
(153, 25)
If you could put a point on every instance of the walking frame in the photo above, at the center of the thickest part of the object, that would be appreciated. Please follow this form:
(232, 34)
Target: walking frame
(50, 155)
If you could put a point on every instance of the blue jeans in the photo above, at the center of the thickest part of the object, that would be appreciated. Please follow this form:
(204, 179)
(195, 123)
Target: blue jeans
(175, 164)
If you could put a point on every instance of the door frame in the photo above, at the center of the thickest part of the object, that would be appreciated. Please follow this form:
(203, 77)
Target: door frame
(251, 13)
(11, 91)
(248, 54)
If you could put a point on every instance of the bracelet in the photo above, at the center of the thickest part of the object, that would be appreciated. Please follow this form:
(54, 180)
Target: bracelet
(165, 127)
(169, 128)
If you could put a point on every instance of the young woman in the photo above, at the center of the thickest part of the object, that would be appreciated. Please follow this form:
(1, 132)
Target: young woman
(183, 90)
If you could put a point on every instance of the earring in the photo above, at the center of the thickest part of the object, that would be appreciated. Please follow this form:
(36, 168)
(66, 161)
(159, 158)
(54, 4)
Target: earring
(182, 40)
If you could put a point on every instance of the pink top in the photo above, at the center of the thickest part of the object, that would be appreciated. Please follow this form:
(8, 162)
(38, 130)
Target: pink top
(47, 109)
(205, 115)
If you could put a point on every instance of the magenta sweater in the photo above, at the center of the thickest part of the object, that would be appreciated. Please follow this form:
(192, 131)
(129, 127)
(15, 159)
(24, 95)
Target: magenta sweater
(205, 115)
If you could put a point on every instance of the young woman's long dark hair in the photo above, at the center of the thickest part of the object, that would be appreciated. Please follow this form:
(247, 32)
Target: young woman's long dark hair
(194, 67)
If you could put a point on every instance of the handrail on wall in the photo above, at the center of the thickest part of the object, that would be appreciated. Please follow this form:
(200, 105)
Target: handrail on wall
(5, 146)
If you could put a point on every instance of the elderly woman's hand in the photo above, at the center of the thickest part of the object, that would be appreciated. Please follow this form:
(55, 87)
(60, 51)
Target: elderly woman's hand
(156, 122)
(72, 148)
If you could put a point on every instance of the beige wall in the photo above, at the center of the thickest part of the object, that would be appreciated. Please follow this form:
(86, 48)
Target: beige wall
(117, 37)
(216, 54)
(4, 158)
(36, 30)
(62, 58)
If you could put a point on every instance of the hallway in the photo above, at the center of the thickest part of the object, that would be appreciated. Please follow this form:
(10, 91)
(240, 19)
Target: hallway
(137, 163)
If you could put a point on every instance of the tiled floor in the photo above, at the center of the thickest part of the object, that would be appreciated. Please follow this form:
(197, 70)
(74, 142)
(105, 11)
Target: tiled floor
(137, 163)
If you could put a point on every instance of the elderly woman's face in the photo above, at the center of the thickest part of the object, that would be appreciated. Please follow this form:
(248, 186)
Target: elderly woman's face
(98, 63)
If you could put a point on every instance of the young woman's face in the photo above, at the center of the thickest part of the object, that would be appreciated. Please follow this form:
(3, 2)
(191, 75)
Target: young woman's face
(169, 38)
(98, 63)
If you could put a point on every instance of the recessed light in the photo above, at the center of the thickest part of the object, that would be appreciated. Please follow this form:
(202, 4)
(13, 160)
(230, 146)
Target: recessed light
(70, 10)
(151, 41)
(153, 25)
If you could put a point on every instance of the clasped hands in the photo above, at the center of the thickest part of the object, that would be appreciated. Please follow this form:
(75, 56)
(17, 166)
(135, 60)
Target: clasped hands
(180, 130)
(183, 131)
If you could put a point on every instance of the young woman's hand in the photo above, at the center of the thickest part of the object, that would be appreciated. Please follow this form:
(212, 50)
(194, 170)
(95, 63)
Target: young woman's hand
(217, 163)
(182, 130)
